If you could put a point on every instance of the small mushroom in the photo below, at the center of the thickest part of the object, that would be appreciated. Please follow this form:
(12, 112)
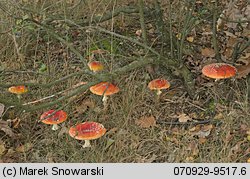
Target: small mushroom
(158, 84)
(18, 90)
(54, 118)
(95, 66)
(87, 131)
(219, 71)
(104, 89)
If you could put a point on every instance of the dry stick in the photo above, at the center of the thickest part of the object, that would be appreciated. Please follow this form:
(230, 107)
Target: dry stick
(46, 85)
(215, 43)
(190, 123)
(142, 21)
(51, 96)
(99, 19)
(171, 30)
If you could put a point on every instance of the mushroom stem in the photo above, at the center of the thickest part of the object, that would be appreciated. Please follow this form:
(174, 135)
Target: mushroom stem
(55, 127)
(104, 100)
(158, 92)
(19, 97)
(86, 144)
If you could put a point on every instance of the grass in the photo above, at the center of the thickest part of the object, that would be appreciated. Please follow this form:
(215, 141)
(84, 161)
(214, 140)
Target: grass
(124, 140)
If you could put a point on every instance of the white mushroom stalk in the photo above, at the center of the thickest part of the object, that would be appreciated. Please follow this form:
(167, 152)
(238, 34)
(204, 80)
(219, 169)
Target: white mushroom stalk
(86, 144)
(55, 127)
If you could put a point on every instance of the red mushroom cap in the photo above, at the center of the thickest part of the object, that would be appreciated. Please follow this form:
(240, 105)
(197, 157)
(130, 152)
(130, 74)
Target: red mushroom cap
(18, 89)
(95, 66)
(57, 118)
(158, 84)
(87, 131)
(104, 88)
(219, 70)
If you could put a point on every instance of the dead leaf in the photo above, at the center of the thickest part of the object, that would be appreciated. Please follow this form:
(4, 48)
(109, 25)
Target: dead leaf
(15, 123)
(184, 118)
(4, 126)
(248, 160)
(1, 109)
(244, 59)
(243, 71)
(193, 147)
(146, 122)
(236, 149)
(189, 159)
(190, 39)
(202, 140)
(24, 148)
(178, 36)
(175, 131)
(138, 32)
(248, 132)
(84, 106)
(201, 131)
(218, 116)
(208, 52)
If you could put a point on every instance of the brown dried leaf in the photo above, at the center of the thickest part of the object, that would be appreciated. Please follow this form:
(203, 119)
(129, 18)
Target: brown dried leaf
(15, 123)
(189, 159)
(244, 59)
(138, 32)
(190, 39)
(193, 147)
(24, 148)
(236, 149)
(83, 106)
(184, 118)
(201, 131)
(202, 140)
(6, 128)
(208, 52)
(243, 71)
(218, 116)
(146, 122)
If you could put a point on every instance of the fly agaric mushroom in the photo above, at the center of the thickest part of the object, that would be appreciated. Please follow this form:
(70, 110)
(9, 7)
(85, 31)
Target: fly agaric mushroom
(219, 71)
(54, 119)
(18, 90)
(87, 131)
(158, 84)
(95, 66)
(105, 89)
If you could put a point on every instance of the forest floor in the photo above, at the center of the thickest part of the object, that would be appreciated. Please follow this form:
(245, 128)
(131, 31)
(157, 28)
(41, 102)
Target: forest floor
(213, 125)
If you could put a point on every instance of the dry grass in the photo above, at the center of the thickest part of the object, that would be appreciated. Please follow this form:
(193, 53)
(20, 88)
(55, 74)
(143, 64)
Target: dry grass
(162, 143)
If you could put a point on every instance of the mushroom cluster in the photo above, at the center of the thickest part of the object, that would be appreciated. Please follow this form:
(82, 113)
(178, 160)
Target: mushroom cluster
(92, 130)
